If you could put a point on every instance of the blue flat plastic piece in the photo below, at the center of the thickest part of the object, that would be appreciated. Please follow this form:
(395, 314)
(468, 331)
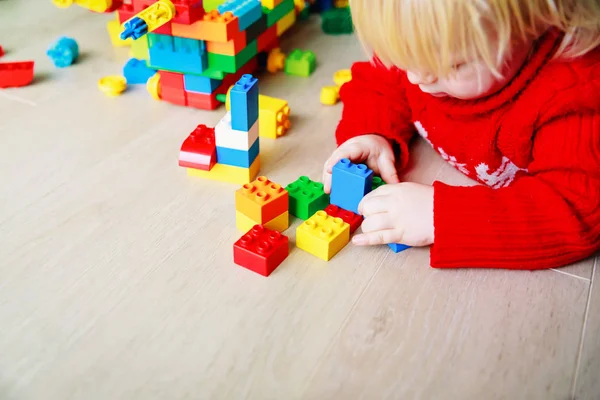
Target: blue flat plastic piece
(137, 72)
(397, 247)
(63, 52)
(135, 28)
(238, 158)
(349, 184)
(244, 103)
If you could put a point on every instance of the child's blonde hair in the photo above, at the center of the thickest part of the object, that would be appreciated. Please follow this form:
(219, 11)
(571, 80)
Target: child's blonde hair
(425, 34)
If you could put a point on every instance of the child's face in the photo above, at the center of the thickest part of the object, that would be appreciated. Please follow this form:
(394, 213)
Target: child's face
(471, 79)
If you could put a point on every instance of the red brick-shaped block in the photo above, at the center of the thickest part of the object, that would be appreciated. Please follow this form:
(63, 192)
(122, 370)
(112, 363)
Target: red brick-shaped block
(352, 219)
(199, 150)
(15, 74)
(261, 250)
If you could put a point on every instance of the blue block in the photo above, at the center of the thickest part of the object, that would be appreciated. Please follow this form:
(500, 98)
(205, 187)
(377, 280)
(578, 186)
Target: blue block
(63, 52)
(200, 84)
(397, 247)
(137, 72)
(244, 103)
(187, 56)
(238, 158)
(247, 11)
(349, 184)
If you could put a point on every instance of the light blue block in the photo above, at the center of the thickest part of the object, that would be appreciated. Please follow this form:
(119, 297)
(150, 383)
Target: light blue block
(247, 11)
(244, 103)
(200, 84)
(183, 55)
(238, 158)
(349, 184)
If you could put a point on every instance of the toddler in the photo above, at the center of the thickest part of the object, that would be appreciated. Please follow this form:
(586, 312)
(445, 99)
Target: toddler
(508, 92)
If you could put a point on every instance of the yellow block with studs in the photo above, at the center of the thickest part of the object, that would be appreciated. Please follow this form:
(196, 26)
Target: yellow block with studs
(322, 235)
(244, 223)
(286, 22)
(273, 115)
(228, 173)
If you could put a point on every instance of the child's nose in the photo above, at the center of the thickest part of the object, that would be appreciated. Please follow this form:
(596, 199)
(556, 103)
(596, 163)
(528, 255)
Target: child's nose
(417, 78)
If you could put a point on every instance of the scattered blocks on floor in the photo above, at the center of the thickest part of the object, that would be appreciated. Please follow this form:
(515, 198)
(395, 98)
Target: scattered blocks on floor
(137, 72)
(16, 74)
(349, 184)
(63, 52)
(262, 200)
(112, 85)
(306, 197)
(300, 63)
(330, 95)
(322, 235)
(261, 250)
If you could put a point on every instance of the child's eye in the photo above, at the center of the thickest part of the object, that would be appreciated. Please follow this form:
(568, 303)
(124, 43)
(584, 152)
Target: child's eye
(458, 66)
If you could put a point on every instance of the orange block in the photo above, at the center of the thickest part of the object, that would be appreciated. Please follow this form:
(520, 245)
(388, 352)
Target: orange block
(213, 27)
(262, 200)
(230, 48)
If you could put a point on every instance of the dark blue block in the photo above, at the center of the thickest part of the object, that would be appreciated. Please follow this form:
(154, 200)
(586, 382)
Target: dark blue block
(238, 158)
(137, 72)
(200, 84)
(397, 247)
(349, 184)
(244, 103)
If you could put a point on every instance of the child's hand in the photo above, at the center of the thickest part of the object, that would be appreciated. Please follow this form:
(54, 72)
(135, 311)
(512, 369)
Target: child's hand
(400, 213)
(374, 150)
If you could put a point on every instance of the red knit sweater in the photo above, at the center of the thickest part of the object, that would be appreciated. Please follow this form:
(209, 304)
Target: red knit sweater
(534, 146)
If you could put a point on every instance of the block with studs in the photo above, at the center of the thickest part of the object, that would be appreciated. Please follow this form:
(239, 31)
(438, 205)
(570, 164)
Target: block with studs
(322, 235)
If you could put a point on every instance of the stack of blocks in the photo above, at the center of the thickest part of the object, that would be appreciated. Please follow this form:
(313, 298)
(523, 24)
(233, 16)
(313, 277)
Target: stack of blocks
(262, 202)
(206, 46)
(231, 151)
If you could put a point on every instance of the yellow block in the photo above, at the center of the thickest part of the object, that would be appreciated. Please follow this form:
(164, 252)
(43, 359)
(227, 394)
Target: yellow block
(228, 173)
(330, 95)
(273, 117)
(270, 4)
(286, 22)
(299, 5)
(245, 223)
(322, 235)
(114, 32)
(275, 60)
(156, 15)
(139, 48)
(340, 3)
(99, 6)
(342, 76)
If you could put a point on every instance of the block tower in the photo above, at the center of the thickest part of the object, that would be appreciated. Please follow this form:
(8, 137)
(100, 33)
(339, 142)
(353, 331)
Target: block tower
(231, 151)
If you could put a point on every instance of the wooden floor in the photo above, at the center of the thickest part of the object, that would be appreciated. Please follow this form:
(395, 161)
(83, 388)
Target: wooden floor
(116, 273)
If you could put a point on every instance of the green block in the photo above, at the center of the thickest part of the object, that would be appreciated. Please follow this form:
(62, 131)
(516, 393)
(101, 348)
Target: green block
(210, 5)
(306, 197)
(231, 64)
(139, 48)
(377, 182)
(300, 63)
(304, 14)
(278, 12)
(337, 21)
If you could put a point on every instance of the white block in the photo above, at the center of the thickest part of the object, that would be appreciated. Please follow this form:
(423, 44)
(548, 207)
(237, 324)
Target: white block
(225, 136)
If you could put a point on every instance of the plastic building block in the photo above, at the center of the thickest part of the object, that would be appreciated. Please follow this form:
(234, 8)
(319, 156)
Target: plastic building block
(268, 40)
(200, 84)
(330, 95)
(300, 63)
(113, 28)
(247, 11)
(202, 101)
(275, 60)
(230, 48)
(397, 247)
(322, 235)
(210, 5)
(232, 138)
(199, 149)
(286, 22)
(349, 184)
(16, 74)
(244, 103)
(137, 72)
(153, 86)
(337, 21)
(177, 54)
(261, 250)
(228, 173)
(213, 27)
(257, 27)
(243, 223)
(342, 76)
(63, 52)
(112, 85)
(354, 220)
(1, 51)
(273, 116)
(306, 197)
(278, 12)
(231, 64)
(377, 182)
(92, 5)
(139, 49)
(262, 200)
(186, 11)
(148, 20)
(171, 80)
(238, 158)
(270, 4)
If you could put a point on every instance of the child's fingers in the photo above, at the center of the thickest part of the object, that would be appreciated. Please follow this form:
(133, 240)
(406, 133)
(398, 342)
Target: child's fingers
(387, 169)
(373, 203)
(326, 182)
(377, 222)
(378, 237)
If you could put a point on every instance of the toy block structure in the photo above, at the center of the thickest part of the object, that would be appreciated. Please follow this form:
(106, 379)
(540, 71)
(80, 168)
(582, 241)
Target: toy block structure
(306, 197)
(354, 220)
(262, 202)
(230, 151)
(322, 235)
(273, 116)
(16, 74)
(261, 250)
(349, 184)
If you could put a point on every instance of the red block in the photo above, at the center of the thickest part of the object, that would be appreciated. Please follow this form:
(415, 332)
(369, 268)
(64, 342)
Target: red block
(268, 39)
(1, 51)
(261, 250)
(354, 220)
(15, 74)
(202, 101)
(173, 80)
(199, 150)
(173, 95)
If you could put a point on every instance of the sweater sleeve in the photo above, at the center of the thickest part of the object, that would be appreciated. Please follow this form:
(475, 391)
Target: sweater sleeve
(547, 218)
(375, 103)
